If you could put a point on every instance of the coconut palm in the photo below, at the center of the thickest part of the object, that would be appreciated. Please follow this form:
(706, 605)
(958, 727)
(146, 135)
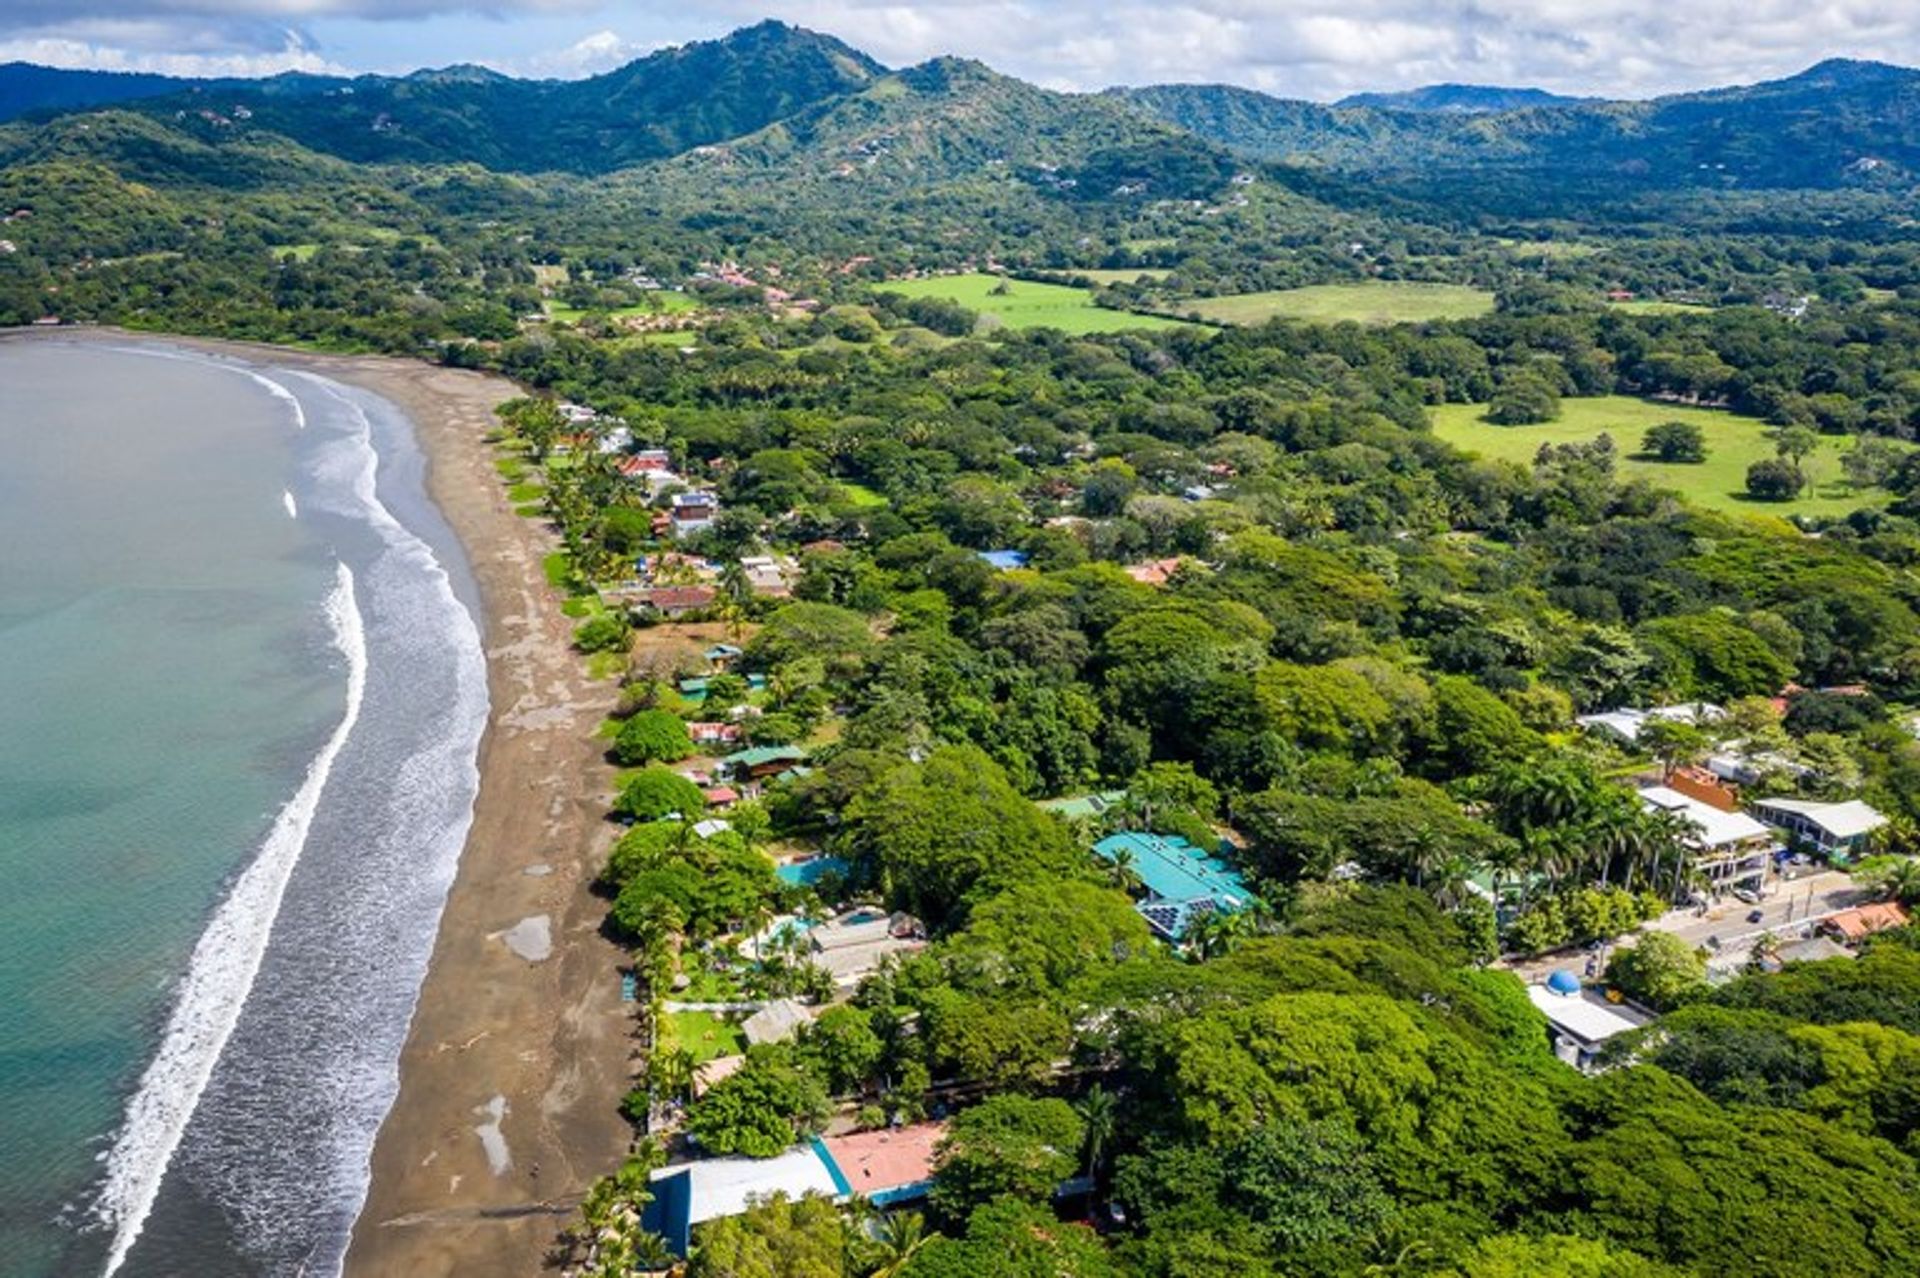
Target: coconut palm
(1099, 1111)
(896, 1239)
(1902, 883)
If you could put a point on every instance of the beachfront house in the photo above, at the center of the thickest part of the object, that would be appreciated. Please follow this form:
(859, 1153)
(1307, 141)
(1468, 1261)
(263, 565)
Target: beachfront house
(1180, 884)
(1731, 850)
(1840, 832)
(890, 1167)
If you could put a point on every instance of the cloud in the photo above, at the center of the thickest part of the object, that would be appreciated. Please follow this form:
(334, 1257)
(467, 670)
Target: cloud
(1307, 48)
(601, 51)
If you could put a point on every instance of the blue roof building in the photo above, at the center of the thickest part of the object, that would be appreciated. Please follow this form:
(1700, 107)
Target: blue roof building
(1005, 560)
(1183, 883)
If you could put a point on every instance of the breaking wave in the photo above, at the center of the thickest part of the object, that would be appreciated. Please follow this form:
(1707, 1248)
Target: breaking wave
(221, 973)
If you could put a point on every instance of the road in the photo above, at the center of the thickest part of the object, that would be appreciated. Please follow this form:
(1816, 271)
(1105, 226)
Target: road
(1790, 905)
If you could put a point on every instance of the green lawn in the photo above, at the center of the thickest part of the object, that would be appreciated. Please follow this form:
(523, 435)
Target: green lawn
(1650, 307)
(706, 1035)
(662, 302)
(1719, 483)
(1372, 302)
(1029, 305)
(860, 495)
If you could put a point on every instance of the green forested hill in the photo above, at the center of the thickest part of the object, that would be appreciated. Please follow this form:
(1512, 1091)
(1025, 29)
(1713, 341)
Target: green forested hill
(1839, 124)
(659, 106)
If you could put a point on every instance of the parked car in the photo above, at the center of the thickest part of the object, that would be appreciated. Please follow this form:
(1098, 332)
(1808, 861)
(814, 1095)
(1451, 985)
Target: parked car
(1746, 895)
(1755, 916)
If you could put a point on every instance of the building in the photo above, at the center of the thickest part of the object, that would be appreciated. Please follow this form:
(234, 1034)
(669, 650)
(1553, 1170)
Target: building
(768, 576)
(1838, 831)
(677, 601)
(762, 762)
(1155, 572)
(1625, 725)
(722, 655)
(889, 1167)
(705, 733)
(776, 1021)
(1182, 884)
(1856, 925)
(856, 943)
(1085, 806)
(1731, 849)
(1579, 1021)
(1004, 560)
(692, 512)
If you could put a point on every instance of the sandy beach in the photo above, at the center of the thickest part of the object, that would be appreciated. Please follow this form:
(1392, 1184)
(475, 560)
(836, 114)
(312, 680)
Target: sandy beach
(516, 1059)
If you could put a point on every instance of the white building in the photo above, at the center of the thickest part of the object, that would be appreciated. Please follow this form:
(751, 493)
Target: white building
(1731, 848)
(1626, 724)
(1580, 1022)
(1835, 830)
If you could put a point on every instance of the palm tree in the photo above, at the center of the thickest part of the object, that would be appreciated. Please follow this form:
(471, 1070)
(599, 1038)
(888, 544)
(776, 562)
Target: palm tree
(1100, 1112)
(1125, 870)
(896, 1239)
(1902, 883)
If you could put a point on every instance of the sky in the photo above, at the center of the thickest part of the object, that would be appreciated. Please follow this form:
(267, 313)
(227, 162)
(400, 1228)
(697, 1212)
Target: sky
(1319, 49)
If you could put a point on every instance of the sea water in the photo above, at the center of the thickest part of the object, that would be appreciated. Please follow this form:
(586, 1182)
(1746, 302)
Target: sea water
(241, 694)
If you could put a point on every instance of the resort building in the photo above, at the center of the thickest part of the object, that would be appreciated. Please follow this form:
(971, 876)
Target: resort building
(1579, 1020)
(1731, 849)
(889, 1168)
(1181, 883)
(1004, 560)
(1837, 831)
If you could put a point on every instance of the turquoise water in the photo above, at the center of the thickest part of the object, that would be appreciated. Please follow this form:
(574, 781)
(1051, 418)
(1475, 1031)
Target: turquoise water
(240, 695)
(166, 675)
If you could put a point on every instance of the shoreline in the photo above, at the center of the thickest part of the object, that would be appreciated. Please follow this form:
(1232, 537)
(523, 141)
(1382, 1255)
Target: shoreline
(515, 1060)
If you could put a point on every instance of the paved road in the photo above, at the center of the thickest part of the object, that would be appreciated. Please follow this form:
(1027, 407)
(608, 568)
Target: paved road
(1788, 909)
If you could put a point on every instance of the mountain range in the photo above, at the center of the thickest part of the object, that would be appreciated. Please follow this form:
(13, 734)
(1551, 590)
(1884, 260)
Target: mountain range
(777, 100)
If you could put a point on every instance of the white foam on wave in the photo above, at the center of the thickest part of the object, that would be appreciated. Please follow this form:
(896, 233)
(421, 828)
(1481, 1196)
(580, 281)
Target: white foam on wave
(286, 499)
(225, 962)
(282, 394)
(273, 388)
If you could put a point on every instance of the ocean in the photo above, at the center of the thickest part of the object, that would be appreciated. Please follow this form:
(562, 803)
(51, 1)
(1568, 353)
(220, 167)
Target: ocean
(241, 697)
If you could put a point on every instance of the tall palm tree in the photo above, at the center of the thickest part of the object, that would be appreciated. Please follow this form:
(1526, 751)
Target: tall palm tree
(1099, 1110)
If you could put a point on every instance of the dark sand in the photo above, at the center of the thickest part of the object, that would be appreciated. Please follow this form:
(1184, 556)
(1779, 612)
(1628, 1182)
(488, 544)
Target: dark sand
(501, 1032)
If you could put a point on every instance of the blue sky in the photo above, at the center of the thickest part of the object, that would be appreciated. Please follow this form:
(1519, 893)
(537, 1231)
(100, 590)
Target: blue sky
(1304, 48)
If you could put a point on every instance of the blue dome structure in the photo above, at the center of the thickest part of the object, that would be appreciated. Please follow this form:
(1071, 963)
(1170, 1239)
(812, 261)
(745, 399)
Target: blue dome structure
(1564, 982)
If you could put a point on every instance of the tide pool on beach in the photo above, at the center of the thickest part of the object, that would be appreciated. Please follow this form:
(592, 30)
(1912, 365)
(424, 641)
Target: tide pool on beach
(243, 692)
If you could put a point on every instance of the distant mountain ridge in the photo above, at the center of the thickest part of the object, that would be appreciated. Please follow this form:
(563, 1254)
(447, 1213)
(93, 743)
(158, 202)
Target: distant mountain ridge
(774, 95)
(1461, 99)
(26, 87)
(1839, 123)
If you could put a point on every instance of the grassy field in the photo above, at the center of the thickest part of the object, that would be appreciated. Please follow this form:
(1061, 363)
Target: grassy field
(1029, 305)
(860, 495)
(705, 1035)
(1374, 302)
(1657, 308)
(663, 302)
(1719, 483)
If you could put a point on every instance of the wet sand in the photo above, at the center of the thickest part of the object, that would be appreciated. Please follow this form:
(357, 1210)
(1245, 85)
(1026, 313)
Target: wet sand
(516, 1059)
